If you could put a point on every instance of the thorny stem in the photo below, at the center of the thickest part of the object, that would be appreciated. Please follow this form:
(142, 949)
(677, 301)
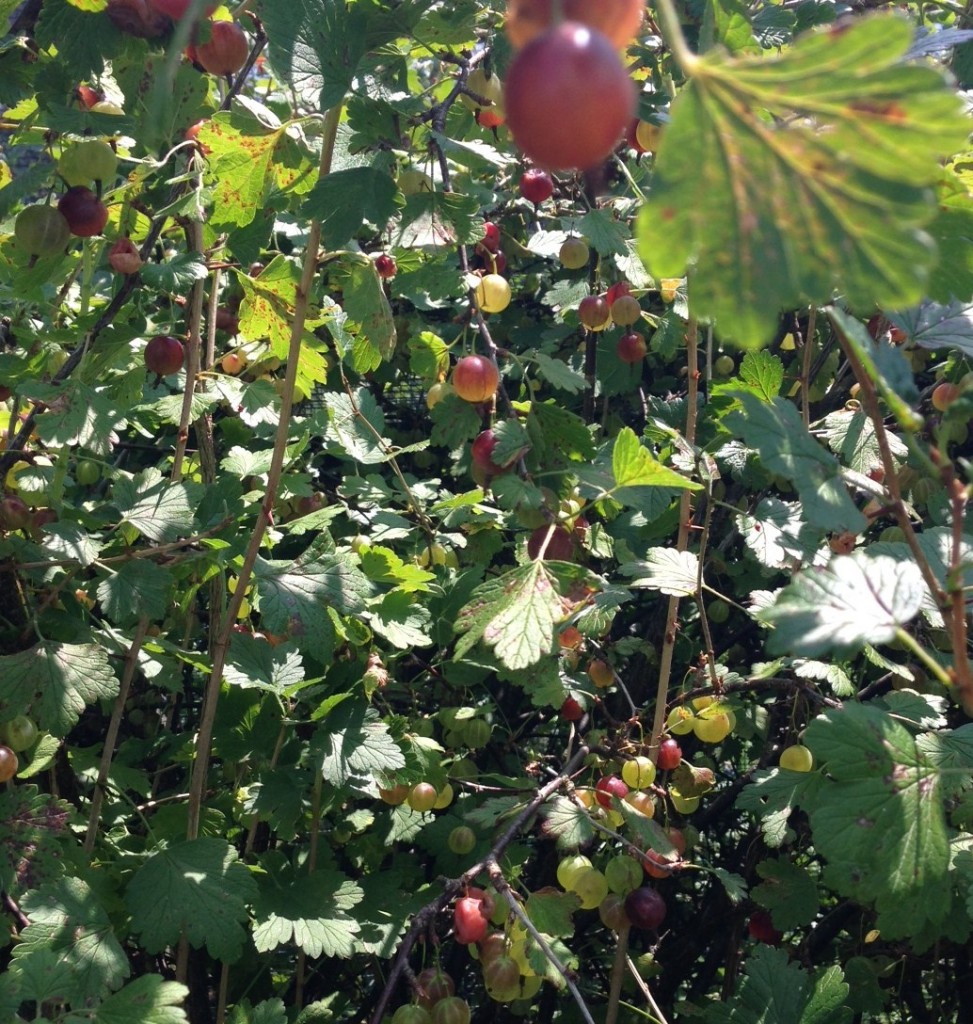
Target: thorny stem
(954, 581)
(869, 400)
(159, 550)
(682, 541)
(503, 888)
(640, 981)
(428, 913)
(221, 644)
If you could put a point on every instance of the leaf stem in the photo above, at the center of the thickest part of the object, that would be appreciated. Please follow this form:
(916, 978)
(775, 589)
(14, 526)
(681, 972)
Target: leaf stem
(908, 640)
(669, 25)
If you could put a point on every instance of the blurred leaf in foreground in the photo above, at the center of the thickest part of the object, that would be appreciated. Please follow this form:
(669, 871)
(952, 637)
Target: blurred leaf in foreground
(783, 180)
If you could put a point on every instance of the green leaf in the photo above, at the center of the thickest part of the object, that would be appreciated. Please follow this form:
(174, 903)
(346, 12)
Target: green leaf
(952, 231)
(147, 1000)
(402, 621)
(557, 373)
(667, 570)
(253, 662)
(604, 233)
(763, 373)
(67, 919)
(355, 427)
(158, 508)
(776, 991)
(391, 899)
(53, 683)
(773, 795)
(788, 892)
(777, 432)
(569, 822)
(515, 614)
(307, 909)
(559, 439)
(453, 422)
(882, 805)
(635, 468)
(854, 600)
(206, 892)
(851, 436)
(31, 826)
(353, 743)
(139, 588)
(778, 536)
(550, 912)
(76, 415)
(270, 1011)
(315, 46)
(734, 885)
(937, 326)
(295, 596)
(367, 305)
(383, 565)
(344, 200)
(44, 977)
(830, 191)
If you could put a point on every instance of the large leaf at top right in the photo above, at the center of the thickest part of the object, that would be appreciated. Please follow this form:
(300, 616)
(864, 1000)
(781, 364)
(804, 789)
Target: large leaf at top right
(783, 180)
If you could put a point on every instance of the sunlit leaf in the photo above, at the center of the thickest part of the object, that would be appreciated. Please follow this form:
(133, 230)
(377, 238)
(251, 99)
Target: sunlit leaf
(830, 191)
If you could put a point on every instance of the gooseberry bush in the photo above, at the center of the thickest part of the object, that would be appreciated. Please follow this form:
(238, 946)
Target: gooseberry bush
(484, 527)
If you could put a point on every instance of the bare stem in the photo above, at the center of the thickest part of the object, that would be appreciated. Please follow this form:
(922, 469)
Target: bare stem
(618, 975)
(111, 734)
(428, 913)
(682, 541)
(194, 236)
(221, 645)
(503, 888)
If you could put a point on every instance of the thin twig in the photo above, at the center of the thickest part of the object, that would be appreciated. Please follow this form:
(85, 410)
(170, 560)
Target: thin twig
(503, 888)
(640, 981)
(428, 913)
(111, 734)
(869, 400)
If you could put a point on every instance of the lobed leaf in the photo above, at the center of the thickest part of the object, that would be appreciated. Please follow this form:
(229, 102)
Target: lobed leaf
(782, 179)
